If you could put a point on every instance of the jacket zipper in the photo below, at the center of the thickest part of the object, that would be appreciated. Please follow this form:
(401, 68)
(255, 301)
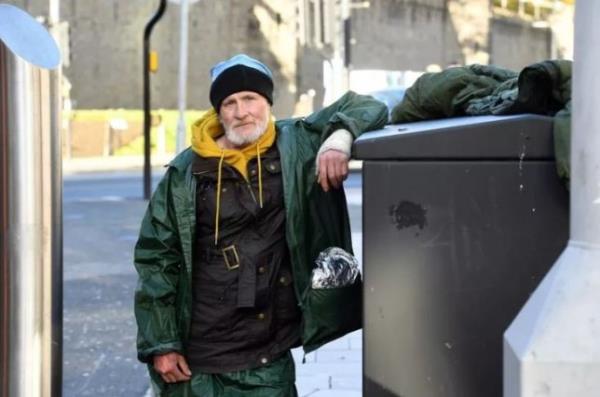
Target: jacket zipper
(251, 192)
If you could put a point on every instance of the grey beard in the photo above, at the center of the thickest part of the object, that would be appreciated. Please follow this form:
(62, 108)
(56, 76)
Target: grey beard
(241, 140)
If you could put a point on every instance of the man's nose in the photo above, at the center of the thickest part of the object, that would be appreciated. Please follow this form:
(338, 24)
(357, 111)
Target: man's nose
(241, 110)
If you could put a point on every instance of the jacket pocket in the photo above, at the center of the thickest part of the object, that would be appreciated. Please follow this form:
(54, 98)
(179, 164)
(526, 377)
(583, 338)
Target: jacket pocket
(179, 389)
(328, 314)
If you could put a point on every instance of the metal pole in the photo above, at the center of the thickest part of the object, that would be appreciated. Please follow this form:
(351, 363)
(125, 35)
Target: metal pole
(31, 335)
(347, 44)
(25, 219)
(183, 65)
(339, 70)
(147, 117)
(4, 210)
(53, 185)
(552, 346)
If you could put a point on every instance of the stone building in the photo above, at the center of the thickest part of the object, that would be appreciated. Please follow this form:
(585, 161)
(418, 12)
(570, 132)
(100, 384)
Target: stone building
(293, 36)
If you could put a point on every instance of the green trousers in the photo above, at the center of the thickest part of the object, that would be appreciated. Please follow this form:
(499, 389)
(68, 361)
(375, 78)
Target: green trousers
(274, 380)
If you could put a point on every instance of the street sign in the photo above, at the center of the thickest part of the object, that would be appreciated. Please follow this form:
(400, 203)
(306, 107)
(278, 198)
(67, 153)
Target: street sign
(27, 38)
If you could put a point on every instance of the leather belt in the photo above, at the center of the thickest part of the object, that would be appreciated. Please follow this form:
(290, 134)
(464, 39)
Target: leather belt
(233, 261)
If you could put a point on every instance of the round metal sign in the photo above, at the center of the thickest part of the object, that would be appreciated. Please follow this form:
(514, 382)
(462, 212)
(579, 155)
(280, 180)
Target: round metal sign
(27, 38)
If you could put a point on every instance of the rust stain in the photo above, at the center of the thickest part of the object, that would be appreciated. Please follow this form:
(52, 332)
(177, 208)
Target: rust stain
(406, 214)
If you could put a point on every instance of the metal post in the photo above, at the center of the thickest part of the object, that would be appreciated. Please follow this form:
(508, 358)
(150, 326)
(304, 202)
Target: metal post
(347, 45)
(344, 34)
(552, 346)
(29, 199)
(4, 264)
(339, 77)
(147, 117)
(183, 65)
(53, 176)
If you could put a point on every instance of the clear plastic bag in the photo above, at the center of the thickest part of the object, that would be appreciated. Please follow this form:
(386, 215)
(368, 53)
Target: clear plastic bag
(334, 268)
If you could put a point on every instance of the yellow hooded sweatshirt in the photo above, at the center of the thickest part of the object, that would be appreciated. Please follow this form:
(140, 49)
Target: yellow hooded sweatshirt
(204, 132)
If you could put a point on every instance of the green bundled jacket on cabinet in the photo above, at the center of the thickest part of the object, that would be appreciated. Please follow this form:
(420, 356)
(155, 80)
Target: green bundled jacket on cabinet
(540, 88)
(315, 220)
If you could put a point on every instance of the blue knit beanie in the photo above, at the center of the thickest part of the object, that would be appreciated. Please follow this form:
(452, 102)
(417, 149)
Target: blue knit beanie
(240, 73)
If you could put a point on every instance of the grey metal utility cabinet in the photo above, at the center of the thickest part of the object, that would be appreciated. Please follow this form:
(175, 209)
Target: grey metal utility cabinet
(462, 218)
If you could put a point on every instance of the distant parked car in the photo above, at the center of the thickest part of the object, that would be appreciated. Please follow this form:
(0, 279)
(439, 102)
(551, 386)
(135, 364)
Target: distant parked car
(390, 96)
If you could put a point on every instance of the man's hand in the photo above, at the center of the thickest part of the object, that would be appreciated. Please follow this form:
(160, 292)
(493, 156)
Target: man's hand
(172, 367)
(333, 169)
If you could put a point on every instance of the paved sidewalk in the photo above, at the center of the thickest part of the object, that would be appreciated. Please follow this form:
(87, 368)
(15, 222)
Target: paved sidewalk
(335, 370)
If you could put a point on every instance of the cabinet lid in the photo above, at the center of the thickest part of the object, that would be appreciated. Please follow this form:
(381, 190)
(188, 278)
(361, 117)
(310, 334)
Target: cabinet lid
(516, 137)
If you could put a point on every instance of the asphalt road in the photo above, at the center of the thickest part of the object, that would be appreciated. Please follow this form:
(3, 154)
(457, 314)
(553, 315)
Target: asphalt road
(102, 212)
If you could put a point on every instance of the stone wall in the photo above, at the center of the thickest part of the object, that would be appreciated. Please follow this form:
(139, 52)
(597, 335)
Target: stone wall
(106, 39)
(106, 44)
(411, 35)
(404, 35)
(516, 43)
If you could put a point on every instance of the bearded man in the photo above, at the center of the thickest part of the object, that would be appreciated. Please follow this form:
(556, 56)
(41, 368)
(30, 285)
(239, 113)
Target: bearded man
(230, 237)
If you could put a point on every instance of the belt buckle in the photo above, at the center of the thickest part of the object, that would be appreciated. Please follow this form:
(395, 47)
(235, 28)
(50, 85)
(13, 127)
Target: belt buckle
(231, 251)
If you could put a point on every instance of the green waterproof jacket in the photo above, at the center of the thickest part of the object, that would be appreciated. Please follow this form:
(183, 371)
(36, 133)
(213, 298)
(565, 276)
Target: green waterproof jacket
(541, 88)
(315, 220)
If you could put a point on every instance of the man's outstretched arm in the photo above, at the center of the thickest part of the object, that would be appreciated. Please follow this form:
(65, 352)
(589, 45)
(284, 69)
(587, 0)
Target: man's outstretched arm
(339, 124)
